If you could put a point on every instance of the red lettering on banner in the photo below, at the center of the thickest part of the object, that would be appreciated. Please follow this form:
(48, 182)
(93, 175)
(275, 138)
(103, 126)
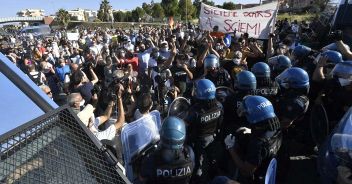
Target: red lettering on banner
(206, 11)
(266, 13)
(208, 22)
(223, 13)
(226, 14)
(215, 12)
(241, 27)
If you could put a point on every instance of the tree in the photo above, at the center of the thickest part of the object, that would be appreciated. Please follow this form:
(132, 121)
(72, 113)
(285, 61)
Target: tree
(229, 5)
(147, 8)
(170, 7)
(120, 16)
(63, 17)
(129, 17)
(186, 8)
(104, 12)
(137, 14)
(158, 11)
(197, 4)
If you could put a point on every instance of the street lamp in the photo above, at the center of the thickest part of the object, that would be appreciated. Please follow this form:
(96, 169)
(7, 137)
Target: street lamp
(186, 13)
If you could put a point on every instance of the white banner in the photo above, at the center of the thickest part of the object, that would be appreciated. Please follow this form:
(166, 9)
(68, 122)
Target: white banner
(73, 36)
(256, 21)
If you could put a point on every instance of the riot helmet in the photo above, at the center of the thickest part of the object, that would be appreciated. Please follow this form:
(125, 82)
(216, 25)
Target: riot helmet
(343, 71)
(211, 63)
(279, 63)
(334, 57)
(293, 78)
(173, 133)
(204, 89)
(256, 109)
(245, 80)
(261, 70)
(301, 51)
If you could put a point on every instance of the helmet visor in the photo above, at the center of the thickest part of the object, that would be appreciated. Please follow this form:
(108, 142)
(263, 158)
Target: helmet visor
(342, 70)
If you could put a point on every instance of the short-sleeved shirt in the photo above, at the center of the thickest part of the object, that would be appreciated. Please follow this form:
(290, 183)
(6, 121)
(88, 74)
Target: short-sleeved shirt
(62, 71)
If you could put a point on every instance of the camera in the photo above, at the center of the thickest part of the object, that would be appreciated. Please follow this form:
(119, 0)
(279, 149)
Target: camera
(96, 89)
(161, 78)
(87, 65)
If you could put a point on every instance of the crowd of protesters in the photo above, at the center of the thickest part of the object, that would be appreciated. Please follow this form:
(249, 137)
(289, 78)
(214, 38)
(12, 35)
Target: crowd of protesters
(113, 76)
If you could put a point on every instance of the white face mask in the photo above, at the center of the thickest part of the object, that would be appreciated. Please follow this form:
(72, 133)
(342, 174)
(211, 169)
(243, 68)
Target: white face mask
(344, 82)
(164, 49)
(237, 61)
(82, 103)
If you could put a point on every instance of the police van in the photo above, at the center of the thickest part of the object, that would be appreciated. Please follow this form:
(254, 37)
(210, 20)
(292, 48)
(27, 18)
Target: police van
(41, 30)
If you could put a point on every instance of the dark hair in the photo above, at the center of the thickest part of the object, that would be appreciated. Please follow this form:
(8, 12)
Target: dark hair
(144, 102)
(77, 77)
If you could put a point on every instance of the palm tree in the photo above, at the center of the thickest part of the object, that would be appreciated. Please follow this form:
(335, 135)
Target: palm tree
(104, 12)
(63, 17)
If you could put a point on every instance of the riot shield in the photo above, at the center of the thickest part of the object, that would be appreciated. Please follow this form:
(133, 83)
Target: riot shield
(341, 139)
(319, 124)
(179, 108)
(270, 177)
(222, 92)
(136, 135)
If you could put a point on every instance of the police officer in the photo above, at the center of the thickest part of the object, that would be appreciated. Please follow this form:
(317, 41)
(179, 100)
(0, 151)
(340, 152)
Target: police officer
(265, 87)
(253, 156)
(279, 64)
(292, 102)
(335, 88)
(245, 84)
(303, 57)
(213, 71)
(172, 162)
(204, 120)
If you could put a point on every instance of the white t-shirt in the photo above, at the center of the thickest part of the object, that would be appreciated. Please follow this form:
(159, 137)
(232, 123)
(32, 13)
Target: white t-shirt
(108, 133)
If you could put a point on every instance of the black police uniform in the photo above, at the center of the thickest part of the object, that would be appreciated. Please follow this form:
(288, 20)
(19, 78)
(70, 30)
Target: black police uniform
(336, 101)
(156, 170)
(259, 151)
(267, 89)
(291, 106)
(204, 123)
(222, 78)
(231, 120)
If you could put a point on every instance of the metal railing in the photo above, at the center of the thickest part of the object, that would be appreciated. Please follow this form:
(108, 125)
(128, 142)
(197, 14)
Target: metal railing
(56, 148)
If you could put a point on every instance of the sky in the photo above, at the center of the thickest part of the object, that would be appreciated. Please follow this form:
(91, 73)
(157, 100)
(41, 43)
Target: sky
(9, 8)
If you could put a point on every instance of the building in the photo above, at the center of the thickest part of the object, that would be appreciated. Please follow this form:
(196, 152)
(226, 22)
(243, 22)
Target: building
(31, 13)
(90, 15)
(83, 15)
(77, 14)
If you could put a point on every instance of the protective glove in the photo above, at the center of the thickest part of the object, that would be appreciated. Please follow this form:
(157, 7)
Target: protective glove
(244, 130)
(230, 141)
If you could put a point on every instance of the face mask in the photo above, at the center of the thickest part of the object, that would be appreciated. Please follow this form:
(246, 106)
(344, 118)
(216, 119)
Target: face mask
(164, 49)
(344, 82)
(82, 103)
(237, 61)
